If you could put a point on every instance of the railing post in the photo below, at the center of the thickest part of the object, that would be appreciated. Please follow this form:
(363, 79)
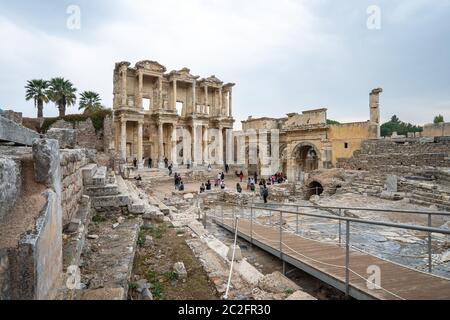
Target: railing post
(297, 221)
(270, 217)
(251, 224)
(223, 219)
(430, 261)
(347, 260)
(340, 228)
(281, 235)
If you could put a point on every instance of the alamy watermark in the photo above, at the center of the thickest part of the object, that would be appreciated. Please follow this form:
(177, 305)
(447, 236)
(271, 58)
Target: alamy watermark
(73, 21)
(374, 17)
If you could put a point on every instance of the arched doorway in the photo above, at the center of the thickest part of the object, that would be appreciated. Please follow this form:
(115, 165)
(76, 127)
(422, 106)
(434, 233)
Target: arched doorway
(306, 159)
(314, 188)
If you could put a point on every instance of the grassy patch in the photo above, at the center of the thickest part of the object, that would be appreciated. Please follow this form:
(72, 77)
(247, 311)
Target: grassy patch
(141, 238)
(158, 231)
(171, 276)
(98, 218)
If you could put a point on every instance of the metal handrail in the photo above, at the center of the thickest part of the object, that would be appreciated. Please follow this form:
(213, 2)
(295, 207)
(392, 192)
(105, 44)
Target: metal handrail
(423, 212)
(430, 230)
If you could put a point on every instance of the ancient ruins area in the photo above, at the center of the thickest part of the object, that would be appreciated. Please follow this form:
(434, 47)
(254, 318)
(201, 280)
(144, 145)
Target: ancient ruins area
(160, 198)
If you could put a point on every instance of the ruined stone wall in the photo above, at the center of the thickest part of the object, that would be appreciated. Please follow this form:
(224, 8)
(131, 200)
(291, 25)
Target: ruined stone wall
(389, 155)
(436, 130)
(11, 115)
(347, 138)
(72, 182)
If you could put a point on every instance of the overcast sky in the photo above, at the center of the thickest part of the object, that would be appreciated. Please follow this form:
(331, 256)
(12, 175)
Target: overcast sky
(284, 55)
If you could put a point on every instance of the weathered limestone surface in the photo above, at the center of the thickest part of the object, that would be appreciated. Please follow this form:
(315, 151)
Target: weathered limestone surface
(9, 184)
(14, 132)
(67, 138)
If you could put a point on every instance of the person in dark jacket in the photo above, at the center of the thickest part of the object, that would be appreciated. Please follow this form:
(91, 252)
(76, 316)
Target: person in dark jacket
(238, 187)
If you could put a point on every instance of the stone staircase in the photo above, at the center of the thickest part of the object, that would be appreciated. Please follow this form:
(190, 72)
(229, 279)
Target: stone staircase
(371, 185)
(427, 194)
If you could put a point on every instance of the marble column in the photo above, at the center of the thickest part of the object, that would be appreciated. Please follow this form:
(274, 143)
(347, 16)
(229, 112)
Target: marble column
(186, 146)
(206, 98)
(160, 91)
(140, 145)
(160, 145)
(194, 98)
(230, 103)
(140, 89)
(220, 151)
(124, 86)
(123, 139)
(205, 146)
(195, 149)
(221, 102)
(175, 95)
(174, 146)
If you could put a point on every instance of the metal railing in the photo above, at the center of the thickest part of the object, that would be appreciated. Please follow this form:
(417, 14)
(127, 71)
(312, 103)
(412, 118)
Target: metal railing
(429, 229)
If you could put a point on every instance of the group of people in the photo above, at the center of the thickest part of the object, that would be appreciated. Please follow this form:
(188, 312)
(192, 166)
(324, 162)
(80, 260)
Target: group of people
(179, 185)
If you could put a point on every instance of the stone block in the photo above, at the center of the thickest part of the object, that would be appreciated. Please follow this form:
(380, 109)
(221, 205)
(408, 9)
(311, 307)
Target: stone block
(14, 132)
(67, 138)
(88, 173)
(46, 161)
(237, 253)
(392, 183)
(180, 270)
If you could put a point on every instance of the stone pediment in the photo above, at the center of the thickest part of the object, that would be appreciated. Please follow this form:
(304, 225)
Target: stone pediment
(212, 81)
(183, 74)
(151, 66)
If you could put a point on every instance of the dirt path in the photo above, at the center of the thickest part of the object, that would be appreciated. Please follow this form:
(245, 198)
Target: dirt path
(155, 264)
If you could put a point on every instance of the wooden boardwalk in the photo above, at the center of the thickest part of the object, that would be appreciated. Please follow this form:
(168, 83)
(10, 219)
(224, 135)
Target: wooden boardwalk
(327, 262)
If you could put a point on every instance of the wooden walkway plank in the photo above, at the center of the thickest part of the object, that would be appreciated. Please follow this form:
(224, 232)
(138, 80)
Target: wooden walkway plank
(398, 282)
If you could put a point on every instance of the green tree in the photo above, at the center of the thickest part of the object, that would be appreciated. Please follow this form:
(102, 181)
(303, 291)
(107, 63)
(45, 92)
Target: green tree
(395, 125)
(62, 93)
(439, 119)
(329, 121)
(90, 102)
(37, 90)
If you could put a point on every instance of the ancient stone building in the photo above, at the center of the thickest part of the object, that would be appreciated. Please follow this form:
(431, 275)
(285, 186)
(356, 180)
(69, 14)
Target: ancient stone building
(308, 142)
(154, 110)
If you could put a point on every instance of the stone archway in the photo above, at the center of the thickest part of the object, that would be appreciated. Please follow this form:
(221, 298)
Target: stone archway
(306, 158)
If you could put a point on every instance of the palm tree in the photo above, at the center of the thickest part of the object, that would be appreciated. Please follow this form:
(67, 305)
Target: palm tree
(90, 101)
(37, 90)
(62, 93)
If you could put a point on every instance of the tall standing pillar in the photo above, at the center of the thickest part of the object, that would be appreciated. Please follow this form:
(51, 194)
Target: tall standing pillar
(160, 91)
(140, 89)
(123, 140)
(221, 102)
(205, 146)
(220, 151)
(124, 86)
(140, 145)
(206, 99)
(175, 95)
(195, 149)
(160, 145)
(194, 98)
(174, 146)
(230, 103)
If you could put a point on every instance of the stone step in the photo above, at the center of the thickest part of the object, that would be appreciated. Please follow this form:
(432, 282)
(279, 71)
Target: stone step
(111, 201)
(88, 173)
(99, 178)
(428, 204)
(107, 190)
(430, 200)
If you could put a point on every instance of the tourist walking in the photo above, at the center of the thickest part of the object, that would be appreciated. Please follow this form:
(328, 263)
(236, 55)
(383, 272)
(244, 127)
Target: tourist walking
(181, 187)
(202, 188)
(170, 170)
(150, 163)
(241, 176)
(265, 194)
(222, 185)
(135, 162)
(238, 188)
(208, 185)
(166, 162)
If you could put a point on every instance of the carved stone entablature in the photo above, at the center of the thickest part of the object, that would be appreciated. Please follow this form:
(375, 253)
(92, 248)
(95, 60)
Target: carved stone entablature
(122, 64)
(212, 81)
(182, 75)
(151, 66)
